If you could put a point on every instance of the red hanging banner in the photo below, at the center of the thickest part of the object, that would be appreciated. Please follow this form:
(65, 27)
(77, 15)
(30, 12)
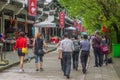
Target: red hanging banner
(75, 23)
(61, 18)
(79, 27)
(32, 5)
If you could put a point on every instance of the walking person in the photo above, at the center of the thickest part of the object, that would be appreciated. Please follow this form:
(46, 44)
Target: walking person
(96, 41)
(20, 43)
(75, 55)
(85, 51)
(39, 44)
(67, 48)
(104, 50)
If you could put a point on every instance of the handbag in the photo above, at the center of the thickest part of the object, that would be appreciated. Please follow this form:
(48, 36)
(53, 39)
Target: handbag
(24, 50)
(104, 49)
(39, 51)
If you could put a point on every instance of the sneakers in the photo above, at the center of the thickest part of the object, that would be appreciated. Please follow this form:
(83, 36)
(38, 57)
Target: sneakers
(84, 71)
(21, 70)
(67, 76)
(37, 70)
(41, 69)
(76, 69)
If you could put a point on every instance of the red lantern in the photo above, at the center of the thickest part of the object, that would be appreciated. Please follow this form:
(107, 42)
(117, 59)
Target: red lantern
(104, 28)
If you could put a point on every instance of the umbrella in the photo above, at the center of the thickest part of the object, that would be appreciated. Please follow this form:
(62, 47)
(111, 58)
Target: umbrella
(83, 33)
(45, 24)
(71, 28)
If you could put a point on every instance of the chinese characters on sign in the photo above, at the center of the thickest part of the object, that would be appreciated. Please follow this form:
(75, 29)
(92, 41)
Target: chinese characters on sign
(61, 18)
(32, 7)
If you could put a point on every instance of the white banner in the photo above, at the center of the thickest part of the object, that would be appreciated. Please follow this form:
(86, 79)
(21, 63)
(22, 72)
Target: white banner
(22, 1)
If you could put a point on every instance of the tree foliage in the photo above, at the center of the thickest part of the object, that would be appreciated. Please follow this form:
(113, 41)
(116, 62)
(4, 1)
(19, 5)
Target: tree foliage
(92, 12)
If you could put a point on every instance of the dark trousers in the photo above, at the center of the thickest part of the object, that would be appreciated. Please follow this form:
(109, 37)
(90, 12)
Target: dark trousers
(66, 59)
(105, 59)
(84, 57)
(75, 57)
(98, 57)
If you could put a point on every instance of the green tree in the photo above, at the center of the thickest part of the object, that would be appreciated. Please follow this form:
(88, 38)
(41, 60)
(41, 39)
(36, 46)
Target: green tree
(92, 11)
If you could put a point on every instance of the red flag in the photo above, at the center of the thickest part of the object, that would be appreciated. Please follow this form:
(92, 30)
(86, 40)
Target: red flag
(61, 18)
(32, 7)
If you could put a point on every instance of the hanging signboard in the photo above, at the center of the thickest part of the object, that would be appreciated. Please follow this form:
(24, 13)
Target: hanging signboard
(32, 6)
(61, 19)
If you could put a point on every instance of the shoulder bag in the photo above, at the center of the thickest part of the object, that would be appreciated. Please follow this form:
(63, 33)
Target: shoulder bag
(24, 49)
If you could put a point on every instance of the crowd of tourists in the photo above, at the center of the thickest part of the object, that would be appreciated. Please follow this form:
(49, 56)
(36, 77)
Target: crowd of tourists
(68, 49)
(71, 48)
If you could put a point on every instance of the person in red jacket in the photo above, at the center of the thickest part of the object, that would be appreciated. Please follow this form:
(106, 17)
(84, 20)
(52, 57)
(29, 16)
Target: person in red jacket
(20, 43)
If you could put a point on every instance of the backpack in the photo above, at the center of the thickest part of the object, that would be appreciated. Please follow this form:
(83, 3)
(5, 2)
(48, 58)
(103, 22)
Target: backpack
(39, 47)
(76, 45)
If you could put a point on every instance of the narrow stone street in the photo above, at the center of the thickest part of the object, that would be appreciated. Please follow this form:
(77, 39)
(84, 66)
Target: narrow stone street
(52, 70)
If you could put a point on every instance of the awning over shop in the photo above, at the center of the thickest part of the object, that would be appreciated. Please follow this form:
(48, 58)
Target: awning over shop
(45, 24)
(71, 28)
